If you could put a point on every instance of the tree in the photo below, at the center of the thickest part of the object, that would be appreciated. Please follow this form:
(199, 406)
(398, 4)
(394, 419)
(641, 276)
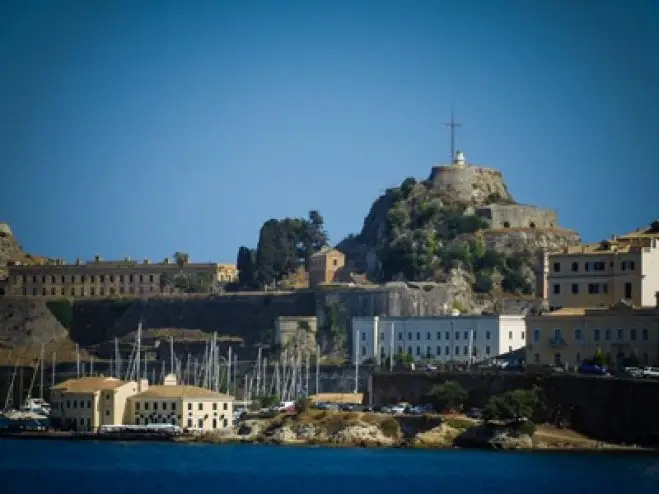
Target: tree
(181, 259)
(516, 405)
(447, 396)
(246, 268)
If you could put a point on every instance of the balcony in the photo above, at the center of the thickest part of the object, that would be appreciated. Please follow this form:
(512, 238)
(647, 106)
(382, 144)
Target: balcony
(557, 342)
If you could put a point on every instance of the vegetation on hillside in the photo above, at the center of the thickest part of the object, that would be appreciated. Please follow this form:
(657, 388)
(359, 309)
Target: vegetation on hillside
(283, 247)
(413, 232)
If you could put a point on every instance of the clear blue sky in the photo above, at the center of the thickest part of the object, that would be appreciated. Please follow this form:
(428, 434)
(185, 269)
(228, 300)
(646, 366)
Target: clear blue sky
(141, 128)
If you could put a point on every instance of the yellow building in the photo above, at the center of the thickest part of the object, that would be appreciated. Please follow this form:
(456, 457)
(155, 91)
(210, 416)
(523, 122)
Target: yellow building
(599, 275)
(189, 407)
(100, 278)
(324, 266)
(85, 404)
(571, 335)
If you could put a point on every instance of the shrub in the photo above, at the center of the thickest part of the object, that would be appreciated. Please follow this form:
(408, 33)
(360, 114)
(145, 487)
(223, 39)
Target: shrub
(458, 423)
(448, 395)
(302, 405)
(526, 427)
(390, 428)
(513, 405)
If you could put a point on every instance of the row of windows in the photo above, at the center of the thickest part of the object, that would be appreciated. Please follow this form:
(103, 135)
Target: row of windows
(82, 291)
(83, 404)
(595, 266)
(579, 334)
(143, 278)
(593, 289)
(438, 335)
(438, 351)
(172, 406)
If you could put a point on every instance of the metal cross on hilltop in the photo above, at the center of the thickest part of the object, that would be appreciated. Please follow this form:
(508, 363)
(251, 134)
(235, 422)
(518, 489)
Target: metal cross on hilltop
(453, 125)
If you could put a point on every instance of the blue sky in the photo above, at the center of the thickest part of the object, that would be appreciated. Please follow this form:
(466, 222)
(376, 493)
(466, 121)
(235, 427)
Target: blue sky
(142, 128)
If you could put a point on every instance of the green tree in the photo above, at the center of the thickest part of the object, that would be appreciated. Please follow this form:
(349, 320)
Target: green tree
(246, 268)
(516, 405)
(181, 259)
(447, 396)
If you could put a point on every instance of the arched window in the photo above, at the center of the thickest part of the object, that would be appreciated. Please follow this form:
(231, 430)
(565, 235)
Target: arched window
(532, 224)
(506, 224)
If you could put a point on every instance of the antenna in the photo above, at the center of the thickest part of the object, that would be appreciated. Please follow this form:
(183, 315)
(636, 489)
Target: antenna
(453, 125)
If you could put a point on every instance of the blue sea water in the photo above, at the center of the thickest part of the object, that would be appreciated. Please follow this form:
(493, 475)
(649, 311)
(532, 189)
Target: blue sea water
(71, 467)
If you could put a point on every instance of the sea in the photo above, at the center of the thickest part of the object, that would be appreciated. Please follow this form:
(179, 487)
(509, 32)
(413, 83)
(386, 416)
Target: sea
(71, 467)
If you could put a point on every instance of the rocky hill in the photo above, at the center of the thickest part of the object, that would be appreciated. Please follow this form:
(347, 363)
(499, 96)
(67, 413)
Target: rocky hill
(462, 216)
(11, 250)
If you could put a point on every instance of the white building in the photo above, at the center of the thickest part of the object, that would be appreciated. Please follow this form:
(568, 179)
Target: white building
(438, 338)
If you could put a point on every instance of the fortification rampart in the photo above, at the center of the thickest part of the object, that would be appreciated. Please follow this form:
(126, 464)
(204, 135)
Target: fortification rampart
(517, 216)
(469, 184)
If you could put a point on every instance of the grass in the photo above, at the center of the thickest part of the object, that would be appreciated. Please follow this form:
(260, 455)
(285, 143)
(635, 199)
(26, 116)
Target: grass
(459, 422)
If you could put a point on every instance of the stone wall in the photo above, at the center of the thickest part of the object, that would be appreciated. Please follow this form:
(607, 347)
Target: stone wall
(530, 239)
(469, 184)
(517, 216)
(604, 408)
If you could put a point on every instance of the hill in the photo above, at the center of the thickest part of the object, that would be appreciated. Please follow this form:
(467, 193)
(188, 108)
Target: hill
(462, 216)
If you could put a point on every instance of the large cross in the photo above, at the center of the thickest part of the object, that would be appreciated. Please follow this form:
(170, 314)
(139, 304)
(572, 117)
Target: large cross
(453, 125)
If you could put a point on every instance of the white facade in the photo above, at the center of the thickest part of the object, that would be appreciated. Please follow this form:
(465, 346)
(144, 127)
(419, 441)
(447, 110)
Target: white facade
(437, 338)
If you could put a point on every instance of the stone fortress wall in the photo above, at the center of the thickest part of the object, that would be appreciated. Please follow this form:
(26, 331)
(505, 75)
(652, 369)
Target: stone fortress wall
(469, 184)
(518, 216)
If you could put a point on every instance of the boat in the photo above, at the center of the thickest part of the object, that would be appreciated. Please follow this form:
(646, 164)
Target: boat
(37, 406)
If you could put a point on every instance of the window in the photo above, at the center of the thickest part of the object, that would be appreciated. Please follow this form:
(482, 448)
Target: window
(439, 351)
(510, 335)
(418, 350)
(107, 413)
(189, 422)
(189, 406)
(428, 335)
(429, 352)
(575, 266)
(225, 406)
(605, 288)
(607, 335)
(523, 335)
(146, 405)
(214, 423)
(487, 350)
(457, 335)
(575, 288)
(200, 406)
(447, 335)
(557, 359)
(632, 334)
(137, 406)
(400, 336)
(418, 335)
(466, 335)
(556, 288)
(409, 335)
(381, 336)
(363, 336)
(619, 334)
(596, 334)
(578, 336)
(457, 350)
(536, 358)
(536, 336)
(593, 288)
(155, 405)
(400, 349)
(644, 335)
(200, 423)
(409, 350)
(628, 290)
(439, 335)
(487, 335)
(510, 349)
(557, 267)
(447, 350)
(363, 351)
(465, 351)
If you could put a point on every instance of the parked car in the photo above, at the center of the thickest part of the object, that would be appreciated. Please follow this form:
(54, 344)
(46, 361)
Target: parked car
(474, 413)
(398, 409)
(593, 369)
(634, 371)
(652, 372)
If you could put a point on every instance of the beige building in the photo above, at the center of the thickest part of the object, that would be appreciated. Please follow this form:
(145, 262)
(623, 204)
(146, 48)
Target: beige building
(100, 278)
(325, 265)
(189, 407)
(85, 404)
(302, 328)
(571, 335)
(599, 275)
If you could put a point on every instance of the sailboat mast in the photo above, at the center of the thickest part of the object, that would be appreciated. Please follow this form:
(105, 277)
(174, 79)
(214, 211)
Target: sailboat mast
(77, 361)
(137, 351)
(41, 359)
(229, 363)
(317, 367)
(52, 378)
(171, 354)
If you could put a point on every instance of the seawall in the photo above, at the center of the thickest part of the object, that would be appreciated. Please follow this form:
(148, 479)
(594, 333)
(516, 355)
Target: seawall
(609, 409)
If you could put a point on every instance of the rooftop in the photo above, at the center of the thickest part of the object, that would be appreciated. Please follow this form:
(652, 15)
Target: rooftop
(326, 250)
(182, 391)
(89, 384)
(621, 307)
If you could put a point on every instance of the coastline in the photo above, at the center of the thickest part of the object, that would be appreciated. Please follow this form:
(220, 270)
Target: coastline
(355, 430)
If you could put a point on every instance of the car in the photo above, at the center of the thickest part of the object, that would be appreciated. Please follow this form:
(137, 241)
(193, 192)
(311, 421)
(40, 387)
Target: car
(474, 413)
(398, 409)
(651, 372)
